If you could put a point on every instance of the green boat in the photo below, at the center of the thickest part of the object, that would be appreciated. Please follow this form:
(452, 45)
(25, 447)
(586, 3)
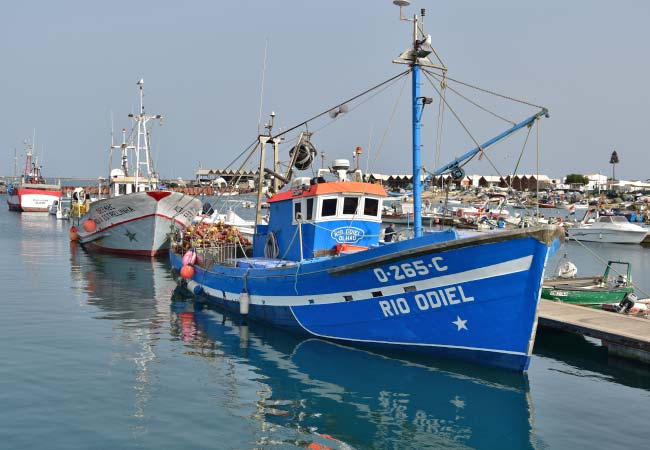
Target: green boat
(593, 290)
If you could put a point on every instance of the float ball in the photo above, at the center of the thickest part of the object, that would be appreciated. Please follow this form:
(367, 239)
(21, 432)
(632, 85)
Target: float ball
(187, 272)
(90, 225)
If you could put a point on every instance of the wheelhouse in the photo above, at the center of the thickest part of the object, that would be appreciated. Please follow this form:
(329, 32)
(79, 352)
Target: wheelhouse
(123, 185)
(321, 219)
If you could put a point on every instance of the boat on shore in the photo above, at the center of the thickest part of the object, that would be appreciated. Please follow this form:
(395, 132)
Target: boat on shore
(32, 193)
(137, 217)
(590, 291)
(318, 267)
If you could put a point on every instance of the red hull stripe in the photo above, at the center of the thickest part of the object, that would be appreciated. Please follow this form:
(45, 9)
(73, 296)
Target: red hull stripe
(333, 187)
(28, 191)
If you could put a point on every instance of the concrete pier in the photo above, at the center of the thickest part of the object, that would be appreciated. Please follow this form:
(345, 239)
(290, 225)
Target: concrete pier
(624, 336)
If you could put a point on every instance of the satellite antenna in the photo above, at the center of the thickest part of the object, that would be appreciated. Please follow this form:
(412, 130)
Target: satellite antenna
(421, 43)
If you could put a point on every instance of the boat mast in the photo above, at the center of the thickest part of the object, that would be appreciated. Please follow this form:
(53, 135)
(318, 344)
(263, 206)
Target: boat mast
(142, 142)
(415, 57)
(27, 172)
(416, 101)
(263, 140)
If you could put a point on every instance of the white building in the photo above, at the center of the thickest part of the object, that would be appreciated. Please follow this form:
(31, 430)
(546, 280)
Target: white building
(597, 182)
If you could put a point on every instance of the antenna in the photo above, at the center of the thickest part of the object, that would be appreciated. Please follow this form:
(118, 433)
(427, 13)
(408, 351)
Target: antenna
(112, 130)
(259, 117)
(422, 48)
(402, 3)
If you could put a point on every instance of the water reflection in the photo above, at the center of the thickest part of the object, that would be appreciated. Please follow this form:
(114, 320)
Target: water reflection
(134, 293)
(585, 357)
(297, 392)
(359, 398)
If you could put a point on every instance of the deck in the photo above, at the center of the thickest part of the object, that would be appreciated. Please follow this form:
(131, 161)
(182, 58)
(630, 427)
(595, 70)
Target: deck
(624, 336)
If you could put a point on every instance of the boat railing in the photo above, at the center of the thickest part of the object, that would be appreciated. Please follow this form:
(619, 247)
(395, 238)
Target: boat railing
(218, 254)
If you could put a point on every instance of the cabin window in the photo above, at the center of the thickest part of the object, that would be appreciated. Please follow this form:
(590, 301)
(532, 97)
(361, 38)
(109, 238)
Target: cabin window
(371, 207)
(350, 205)
(310, 208)
(122, 188)
(328, 208)
(297, 210)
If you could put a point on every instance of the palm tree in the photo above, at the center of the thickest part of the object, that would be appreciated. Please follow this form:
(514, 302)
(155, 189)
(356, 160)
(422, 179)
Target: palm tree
(613, 160)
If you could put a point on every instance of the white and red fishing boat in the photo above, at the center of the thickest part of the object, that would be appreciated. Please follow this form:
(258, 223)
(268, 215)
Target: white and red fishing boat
(32, 193)
(137, 216)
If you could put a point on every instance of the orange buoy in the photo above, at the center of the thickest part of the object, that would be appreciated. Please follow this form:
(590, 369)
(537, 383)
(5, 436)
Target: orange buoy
(317, 446)
(73, 233)
(187, 272)
(90, 225)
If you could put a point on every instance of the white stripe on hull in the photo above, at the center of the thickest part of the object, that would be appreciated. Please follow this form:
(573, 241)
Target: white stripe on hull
(495, 270)
(40, 202)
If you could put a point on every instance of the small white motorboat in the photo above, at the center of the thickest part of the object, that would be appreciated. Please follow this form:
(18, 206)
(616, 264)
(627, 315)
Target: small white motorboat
(610, 229)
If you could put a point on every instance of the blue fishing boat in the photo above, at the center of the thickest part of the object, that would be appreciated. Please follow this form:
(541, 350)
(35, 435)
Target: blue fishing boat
(321, 267)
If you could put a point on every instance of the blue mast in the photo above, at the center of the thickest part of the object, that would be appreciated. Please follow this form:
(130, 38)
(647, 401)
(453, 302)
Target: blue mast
(417, 185)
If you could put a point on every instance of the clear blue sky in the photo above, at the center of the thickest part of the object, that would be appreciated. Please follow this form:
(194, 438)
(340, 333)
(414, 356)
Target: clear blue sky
(67, 64)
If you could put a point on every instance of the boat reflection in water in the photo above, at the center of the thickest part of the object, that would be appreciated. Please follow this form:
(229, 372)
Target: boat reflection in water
(362, 399)
(135, 289)
(134, 294)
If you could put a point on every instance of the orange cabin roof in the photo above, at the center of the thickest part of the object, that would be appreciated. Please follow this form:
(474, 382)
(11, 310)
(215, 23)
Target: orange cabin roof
(333, 187)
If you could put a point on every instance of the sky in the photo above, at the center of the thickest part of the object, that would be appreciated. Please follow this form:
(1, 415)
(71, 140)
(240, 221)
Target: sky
(69, 65)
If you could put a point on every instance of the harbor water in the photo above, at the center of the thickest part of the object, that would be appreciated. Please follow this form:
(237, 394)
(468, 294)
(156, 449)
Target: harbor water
(104, 352)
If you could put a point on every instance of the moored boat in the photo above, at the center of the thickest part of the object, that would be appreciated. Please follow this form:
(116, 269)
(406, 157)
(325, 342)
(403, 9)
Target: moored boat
(610, 229)
(319, 268)
(137, 217)
(32, 193)
(591, 291)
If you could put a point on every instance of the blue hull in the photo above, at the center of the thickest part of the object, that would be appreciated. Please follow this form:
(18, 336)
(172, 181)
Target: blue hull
(474, 298)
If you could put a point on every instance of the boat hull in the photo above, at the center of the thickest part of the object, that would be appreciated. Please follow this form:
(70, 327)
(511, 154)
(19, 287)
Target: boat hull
(474, 299)
(611, 236)
(136, 224)
(587, 297)
(32, 199)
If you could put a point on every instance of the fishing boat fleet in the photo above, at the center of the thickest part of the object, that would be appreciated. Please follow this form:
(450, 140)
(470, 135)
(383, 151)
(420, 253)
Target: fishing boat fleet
(317, 262)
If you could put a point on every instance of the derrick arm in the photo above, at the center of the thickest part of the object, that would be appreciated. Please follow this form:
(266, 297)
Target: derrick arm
(458, 161)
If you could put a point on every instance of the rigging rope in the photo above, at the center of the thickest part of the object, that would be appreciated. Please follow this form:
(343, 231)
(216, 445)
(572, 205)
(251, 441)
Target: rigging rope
(440, 125)
(482, 108)
(494, 93)
(454, 113)
(343, 103)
